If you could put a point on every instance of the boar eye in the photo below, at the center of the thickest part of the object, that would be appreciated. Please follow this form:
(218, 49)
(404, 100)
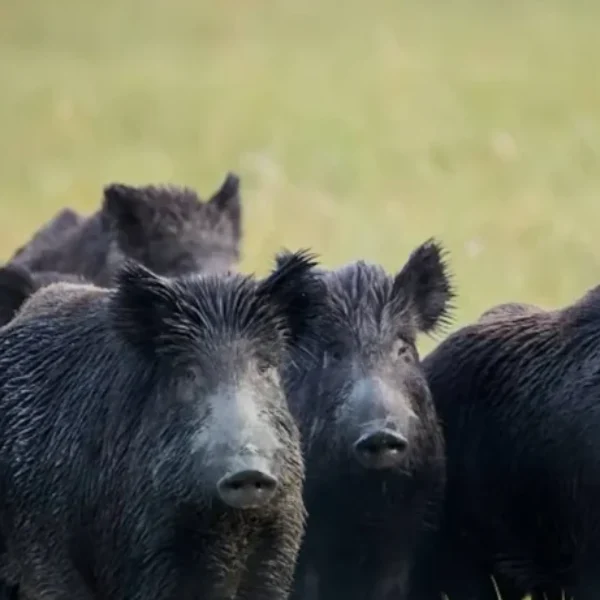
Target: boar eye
(403, 350)
(332, 355)
(264, 366)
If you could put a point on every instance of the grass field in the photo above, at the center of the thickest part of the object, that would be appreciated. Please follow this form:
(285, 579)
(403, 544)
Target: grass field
(359, 128)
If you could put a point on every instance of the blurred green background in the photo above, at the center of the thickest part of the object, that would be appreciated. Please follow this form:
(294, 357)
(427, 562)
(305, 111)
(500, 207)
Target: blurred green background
(359, 128)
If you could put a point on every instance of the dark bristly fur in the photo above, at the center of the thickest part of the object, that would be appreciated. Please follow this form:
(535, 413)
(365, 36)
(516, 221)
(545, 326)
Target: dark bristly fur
(519, 398)
(508, 310)
(166, 228)
(120, 410)
(49, 235)
(366, 528)
(17, 283)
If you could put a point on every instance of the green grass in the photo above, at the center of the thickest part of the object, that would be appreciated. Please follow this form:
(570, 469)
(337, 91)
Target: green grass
(360, 128)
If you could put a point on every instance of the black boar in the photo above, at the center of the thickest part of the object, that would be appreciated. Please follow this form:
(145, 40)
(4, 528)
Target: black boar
(518, 398)
(146, 447)
(168, 229)
(372, 445)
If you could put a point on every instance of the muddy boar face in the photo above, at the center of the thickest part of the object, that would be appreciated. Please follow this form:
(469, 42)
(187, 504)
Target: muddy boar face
(243, 430)
(169, 230)
(221, 341)
(359, 390)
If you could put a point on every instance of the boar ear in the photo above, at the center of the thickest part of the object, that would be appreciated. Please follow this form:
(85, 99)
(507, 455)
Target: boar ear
(16, 285)
(63, 221)
(424, 287)
(296, 289)
(127, 209)
(141, 303)
(50, 234)
(227, 196)
(284, 255)
(227, 201)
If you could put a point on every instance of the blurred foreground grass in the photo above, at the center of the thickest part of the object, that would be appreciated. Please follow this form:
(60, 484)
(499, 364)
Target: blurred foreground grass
(359, 128)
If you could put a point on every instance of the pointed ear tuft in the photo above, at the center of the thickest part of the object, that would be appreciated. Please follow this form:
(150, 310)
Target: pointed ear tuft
(283, 257)
(296, 289)
(16, 285)
(141, 303)
(228, 193)
(126, 208)
(50, 235)
(424, 287)
(64, 219)
(228, 202)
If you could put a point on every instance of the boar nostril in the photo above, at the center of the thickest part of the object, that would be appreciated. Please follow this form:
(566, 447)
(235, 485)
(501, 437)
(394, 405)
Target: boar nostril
(380, 449)
(247, 489)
